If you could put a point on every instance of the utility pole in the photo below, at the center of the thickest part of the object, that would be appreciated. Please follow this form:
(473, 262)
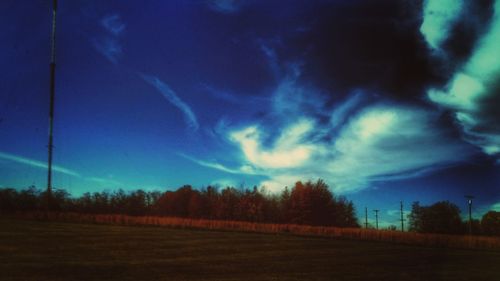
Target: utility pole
(469, 202)
(376, 218)
(366, 217)
(402, 217)
(52, 94)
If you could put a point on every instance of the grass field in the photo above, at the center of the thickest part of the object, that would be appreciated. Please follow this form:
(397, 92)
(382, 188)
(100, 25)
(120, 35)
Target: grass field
(31, 250)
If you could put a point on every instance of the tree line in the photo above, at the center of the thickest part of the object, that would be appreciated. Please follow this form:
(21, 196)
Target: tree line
(309, 203)
(444, 217)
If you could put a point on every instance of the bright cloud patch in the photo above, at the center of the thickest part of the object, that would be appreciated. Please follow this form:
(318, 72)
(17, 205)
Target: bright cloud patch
(381, 142)
(386, 141)
(474, 91)
(438, 19)
(289, 150)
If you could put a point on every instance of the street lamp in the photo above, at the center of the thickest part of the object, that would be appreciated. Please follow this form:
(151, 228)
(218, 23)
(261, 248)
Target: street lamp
(469, 202)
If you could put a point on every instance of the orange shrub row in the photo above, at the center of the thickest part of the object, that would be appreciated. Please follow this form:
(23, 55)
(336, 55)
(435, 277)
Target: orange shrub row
(412, 238)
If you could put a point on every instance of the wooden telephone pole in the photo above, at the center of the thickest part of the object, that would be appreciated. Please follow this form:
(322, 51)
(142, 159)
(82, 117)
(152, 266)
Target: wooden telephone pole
(402, 217)
(376, 218)
(366, 217)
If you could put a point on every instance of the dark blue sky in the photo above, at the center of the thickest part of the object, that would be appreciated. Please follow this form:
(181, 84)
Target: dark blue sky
(384, 100)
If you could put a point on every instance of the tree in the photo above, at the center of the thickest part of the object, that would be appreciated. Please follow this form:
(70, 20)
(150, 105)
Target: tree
(8, 199)
(441, 217)
(490, 223)
(314, 204)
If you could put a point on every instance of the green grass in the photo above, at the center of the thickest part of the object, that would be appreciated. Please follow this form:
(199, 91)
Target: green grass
(31, 250)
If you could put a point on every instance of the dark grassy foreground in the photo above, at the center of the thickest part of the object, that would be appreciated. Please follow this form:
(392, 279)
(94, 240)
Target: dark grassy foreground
(31, 250)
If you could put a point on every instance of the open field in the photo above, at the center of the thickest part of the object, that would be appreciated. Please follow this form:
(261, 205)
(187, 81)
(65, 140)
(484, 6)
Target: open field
(33, 250)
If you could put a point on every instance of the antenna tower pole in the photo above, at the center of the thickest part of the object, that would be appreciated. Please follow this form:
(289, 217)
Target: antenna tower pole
(50, 145)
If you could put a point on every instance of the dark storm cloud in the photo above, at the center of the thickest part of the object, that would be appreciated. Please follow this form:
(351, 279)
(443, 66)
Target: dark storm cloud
(375, 46)
(343, 45)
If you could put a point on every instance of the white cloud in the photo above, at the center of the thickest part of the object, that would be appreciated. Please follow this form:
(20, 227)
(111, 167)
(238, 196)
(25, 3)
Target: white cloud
(37, 164)
(108, 182)
(356, 147)
(289, 150)
(225, 6)
(226, 182)
(271, 57)
(113, 24)
(391, 140)
(340, 113)
(174, 99)
(290, 99)
(474, 91)
(495, 207)
(381, 142)
(109, 44)
(109, 48)
(245, 169)
(439, 16)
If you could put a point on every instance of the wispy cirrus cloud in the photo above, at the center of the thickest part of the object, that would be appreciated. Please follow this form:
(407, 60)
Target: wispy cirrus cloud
(106, 182)
(108, 44)
(174, 99)
(37, 164)
(230, 97)
(113, 24)
(245, 170)
(225, 6)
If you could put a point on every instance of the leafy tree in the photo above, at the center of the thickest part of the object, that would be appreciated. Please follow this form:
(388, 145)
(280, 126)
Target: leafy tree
(8, 200)
(490, 223)
(441, 217)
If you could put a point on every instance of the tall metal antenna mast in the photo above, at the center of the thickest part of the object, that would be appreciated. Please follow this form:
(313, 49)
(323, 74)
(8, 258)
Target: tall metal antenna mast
(52, 94)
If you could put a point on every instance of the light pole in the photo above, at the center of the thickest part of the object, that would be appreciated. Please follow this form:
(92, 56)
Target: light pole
(469, 202)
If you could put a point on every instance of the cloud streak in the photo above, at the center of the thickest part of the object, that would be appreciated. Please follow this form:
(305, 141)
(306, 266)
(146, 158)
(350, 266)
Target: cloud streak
(243, 170)
(225, 6)
(37, 164)
(174, 99)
